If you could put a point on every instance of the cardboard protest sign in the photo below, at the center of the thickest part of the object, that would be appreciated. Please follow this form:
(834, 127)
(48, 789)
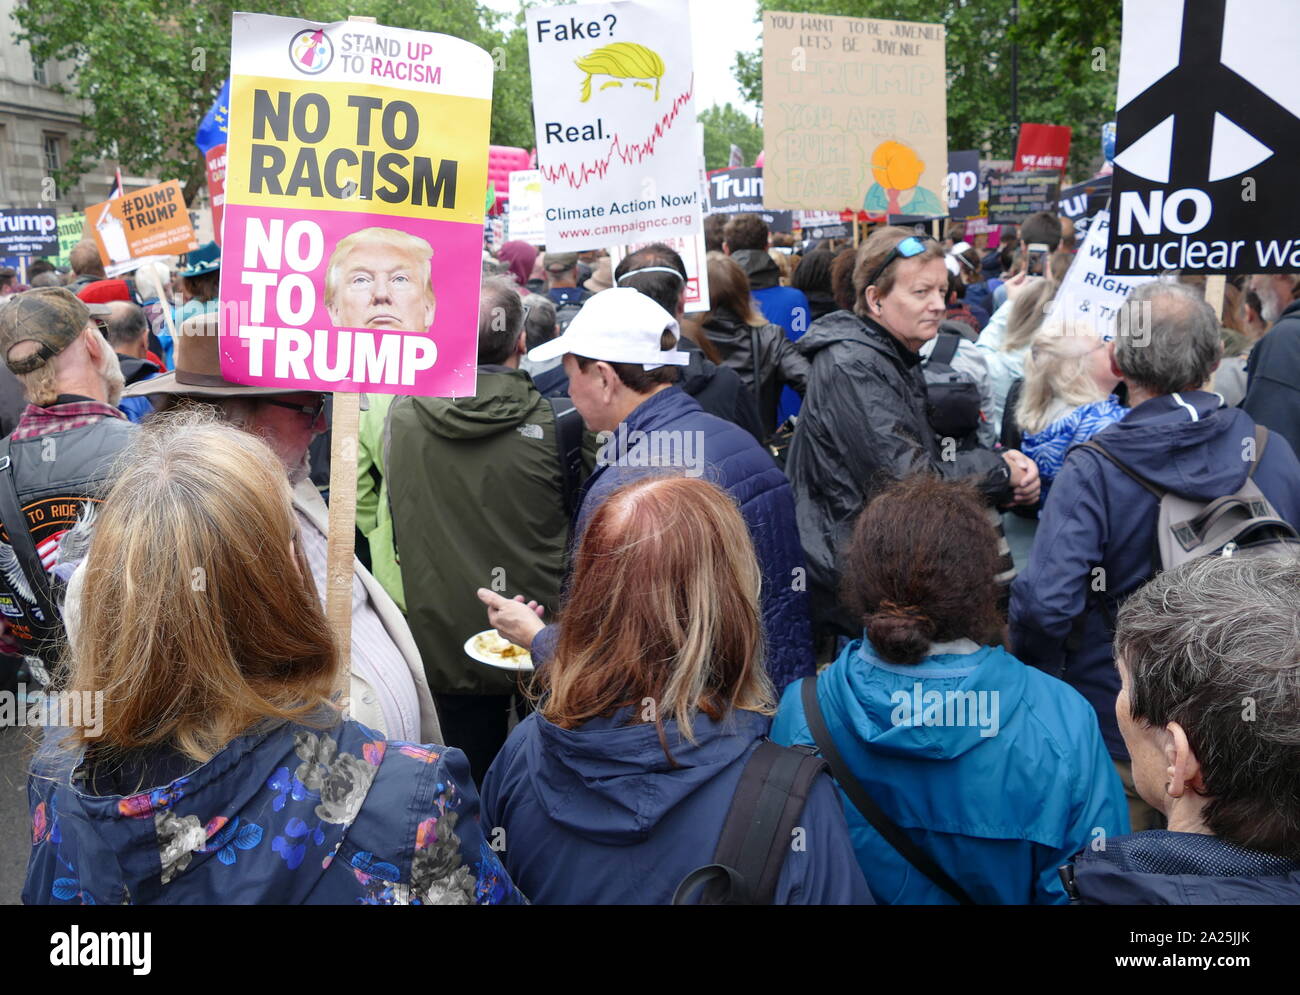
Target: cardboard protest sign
(963, 185)
(1081, 202)
(1043, 146)
(740, 191)
(693, 257)
(1016, 195)
(28, 231)
(357, 161)
(854, 114)
(1089, 297)
(614, 109)
(71, 231)
(149, 222)
(527, 215)
(1208, 134)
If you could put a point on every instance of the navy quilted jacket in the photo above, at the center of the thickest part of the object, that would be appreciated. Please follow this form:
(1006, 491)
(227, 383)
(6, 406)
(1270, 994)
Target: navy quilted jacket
(740, 466)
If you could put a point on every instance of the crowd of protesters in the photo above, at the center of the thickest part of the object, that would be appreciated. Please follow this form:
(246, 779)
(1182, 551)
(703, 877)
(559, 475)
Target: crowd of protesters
(867, 540)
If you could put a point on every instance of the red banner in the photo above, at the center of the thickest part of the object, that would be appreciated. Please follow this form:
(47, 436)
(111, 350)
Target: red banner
(216, 162)
(1043, 146)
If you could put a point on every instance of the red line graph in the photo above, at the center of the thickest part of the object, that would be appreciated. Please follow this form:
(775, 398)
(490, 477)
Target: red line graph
(634, 152)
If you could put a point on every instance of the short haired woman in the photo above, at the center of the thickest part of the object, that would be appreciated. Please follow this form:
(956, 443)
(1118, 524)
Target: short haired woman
(1209, 707)
(737, 328)
(865, 416)
(218, 771)
(996, 771)
(618, 785)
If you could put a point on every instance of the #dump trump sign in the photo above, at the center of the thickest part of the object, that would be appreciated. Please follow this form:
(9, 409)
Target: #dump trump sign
(356, 164)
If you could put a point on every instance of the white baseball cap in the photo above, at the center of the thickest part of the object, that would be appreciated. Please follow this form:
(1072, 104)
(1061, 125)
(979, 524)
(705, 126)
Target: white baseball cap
(619, 325)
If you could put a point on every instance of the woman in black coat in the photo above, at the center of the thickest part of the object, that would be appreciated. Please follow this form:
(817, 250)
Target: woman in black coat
(864, 421)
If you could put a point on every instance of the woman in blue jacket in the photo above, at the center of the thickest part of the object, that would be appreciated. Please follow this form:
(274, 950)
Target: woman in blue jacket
(618, 786)
(996, 771)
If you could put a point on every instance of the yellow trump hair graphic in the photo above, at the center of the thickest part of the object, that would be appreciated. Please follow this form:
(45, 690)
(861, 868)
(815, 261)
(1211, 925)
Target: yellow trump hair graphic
(622, 60)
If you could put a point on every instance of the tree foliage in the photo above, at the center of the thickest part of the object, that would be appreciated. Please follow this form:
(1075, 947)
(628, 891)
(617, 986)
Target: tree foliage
(1068, 65)
(150, 69)
(725, 126)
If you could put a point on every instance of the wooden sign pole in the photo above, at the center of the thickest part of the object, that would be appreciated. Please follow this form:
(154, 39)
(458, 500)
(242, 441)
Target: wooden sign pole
(340, 543)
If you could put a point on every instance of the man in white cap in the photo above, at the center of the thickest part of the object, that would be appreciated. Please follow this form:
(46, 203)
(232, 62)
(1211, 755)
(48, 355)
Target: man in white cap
(622, 359)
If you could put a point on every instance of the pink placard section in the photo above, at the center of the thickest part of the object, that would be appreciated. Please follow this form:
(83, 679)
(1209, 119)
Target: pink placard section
(375, 325)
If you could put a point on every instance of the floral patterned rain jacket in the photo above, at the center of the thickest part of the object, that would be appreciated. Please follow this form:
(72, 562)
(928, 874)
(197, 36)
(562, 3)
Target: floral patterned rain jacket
(293, 815)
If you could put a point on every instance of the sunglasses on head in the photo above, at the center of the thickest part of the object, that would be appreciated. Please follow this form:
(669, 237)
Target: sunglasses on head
(911, 246)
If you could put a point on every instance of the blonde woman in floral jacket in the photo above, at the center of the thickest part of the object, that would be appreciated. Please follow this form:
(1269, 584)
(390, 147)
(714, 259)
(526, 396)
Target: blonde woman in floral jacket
(209, 765)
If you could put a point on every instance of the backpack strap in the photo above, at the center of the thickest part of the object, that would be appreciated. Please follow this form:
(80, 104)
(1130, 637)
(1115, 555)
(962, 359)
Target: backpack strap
(1146, 485)
(568, 441)
(892, 833)
(46, 624)
(946, 345)
(1261, 440)
(755, 837)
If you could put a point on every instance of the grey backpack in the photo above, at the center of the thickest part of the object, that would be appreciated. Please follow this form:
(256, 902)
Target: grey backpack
(1243, 523)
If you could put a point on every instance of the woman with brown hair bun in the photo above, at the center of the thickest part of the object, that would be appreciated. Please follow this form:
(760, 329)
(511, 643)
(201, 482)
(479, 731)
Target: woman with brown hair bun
(213, 767)
(618, 785)
(991, 770)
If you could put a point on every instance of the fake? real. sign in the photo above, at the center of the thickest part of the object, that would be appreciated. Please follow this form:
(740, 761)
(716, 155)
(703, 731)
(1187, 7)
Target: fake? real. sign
(355, 170)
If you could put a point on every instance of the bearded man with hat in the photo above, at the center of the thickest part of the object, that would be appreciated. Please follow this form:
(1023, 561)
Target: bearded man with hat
(57, 458)
(389, 690)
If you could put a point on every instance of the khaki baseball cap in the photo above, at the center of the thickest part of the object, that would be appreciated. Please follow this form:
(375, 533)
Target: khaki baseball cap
(558, 262)
(52, 316)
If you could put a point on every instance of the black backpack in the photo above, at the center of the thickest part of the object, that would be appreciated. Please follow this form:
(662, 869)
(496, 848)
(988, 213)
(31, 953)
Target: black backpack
(756, 837)
(568, 441)
(952, 397)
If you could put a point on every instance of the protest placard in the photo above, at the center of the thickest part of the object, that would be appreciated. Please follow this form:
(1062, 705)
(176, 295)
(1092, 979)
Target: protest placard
(1089, 296)
(149, 222)
(614, 109)
(526, 216)
(28, 231)
(963, 185)
(357, 161)
(1043, 146)
(1081, 202)
(1208, 134)
(821, 224)
(854, 114)
(693, 257)
(72, 229)
(740, 191)
(1014, 196)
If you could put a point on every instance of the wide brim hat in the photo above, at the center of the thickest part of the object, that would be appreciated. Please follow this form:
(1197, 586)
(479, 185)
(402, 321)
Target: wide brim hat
(197, 370)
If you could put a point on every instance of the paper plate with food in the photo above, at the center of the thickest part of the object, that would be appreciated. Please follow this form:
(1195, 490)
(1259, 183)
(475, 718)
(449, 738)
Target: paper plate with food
(488, 647)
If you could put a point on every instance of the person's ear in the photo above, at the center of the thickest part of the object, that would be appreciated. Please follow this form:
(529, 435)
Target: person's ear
(521, 343)
(1184, 769)
(95, 342)
(608, 378)
(1114, 366)
(429, 309)
(726, 249)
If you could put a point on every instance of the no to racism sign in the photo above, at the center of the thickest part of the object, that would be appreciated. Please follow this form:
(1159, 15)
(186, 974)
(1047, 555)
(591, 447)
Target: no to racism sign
(28, 231)
(614, 109)
(356, 165)
(1208, 135)
(854, 114)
